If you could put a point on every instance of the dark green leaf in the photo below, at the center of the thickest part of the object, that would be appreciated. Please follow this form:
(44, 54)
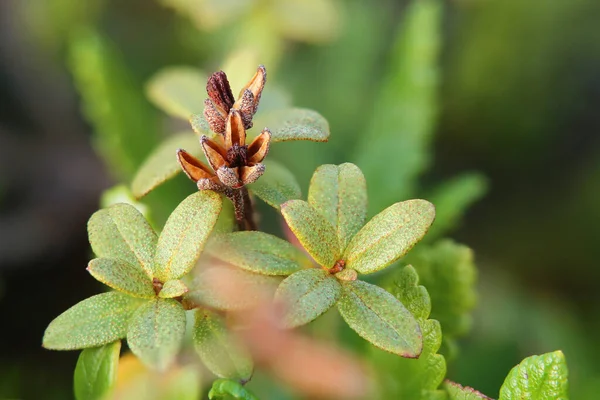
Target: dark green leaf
(380, 318)
(258, 252)
(96, 371)
(162, 165)
(121, 232)
(306, 295)
(96, 321)
(459, 392)
(223, 387)
(313, 231)
(538, 377)
(340, 194)
(185, 234)
(122, 276)
(156, 331)
(178, 91)
(276, 186)
(174, 288)
(389, 235)
(220, 351)
(297, 124)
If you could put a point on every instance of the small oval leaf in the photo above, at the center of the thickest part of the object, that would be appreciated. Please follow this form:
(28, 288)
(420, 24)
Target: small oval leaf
(389, 235)
(297, 124)
(96, 371)
(93, 322)
(340, 194)
(258, 252)
(174, 288)
(306, 295)
(276, 186)
(222, 388)
(458, 392)
(313, 231)
(185, 234)
(219, 350)
(178, 91)
(380, 318)
(156, 332)
(121, 232)
(537, 377)
(122, 276)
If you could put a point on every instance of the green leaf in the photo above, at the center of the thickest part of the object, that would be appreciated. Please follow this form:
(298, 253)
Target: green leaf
(380, 318)
(96, 371)
(178, 91)
(340, 194)
(185, 234)
(156, 331)
(276, 186)
(122, 276)
(224, 387)
(458, 392)
(200, 125)
(306, 295)
(297, 124)
(389, 235)
(93, 322)
(181, 383)
(174, 288)
(537, 377)
(452, 199)
(395, 149)
(448, 272)
(307, 20)
(162, 165)
(313, 231)
(219, 350)
(121, 232)
(258, 252)
(402, 378)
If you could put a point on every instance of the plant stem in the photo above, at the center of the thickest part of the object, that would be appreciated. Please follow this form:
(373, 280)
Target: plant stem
(248, 210)
(243, 208)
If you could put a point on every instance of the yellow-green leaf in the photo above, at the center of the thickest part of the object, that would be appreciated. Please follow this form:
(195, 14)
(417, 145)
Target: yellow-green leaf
(307, 20)
(185, 234)
(276, 186)
(178, 91)
(258, 252)
(93, 322)
(96, 371)
(380, 318)
(297, 124)
(312, 230)
(458, 392)
(219, 350)
(162, 165)
(122, 276)
(389, 235)
(340, 194)
(306, 295)
(223, 388)
(156, 331)
(174, 288)
(121, 232)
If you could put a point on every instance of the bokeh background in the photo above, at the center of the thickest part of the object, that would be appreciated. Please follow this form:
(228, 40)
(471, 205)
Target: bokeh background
(503, 110)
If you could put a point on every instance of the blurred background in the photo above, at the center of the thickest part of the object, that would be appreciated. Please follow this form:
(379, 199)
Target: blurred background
(490, 106)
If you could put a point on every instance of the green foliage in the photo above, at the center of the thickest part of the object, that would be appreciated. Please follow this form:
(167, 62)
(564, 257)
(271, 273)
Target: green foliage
(297, 124)
(219, 350)
(176, 90)
(537, 377)
(224, 387)
(96, 371)
(121, 276)
(459, 392)
(276, 186)
(173, 288)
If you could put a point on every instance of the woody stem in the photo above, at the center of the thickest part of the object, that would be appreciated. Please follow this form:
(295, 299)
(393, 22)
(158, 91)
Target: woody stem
(243, 209)
(248, 210)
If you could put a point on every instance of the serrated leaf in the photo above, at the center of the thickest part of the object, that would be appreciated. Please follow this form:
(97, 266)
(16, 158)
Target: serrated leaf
(458, 392)
(258, 252)
(178, 91)
(306, 295)
(313, 231)
(93, 322)
(389, 235)
(162, 165)
(185, 234)
(380, 318)
(122, 276)
(449, 273)
(339, 193)
(156, 331)
(96, 371)
(538, 377)
(219, 350)
(276, 186)
(224, 387)
(297, 124)
(174, 288)
(121, 232)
